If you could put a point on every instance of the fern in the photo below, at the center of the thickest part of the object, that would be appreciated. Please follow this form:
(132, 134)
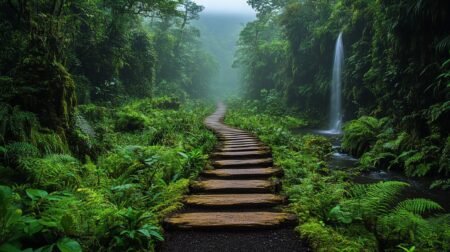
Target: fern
(17, 151)
(377, 199)
(404, 226)
(441, 183)
(361, 134)
(418, 206)
(49, 143)
(53, 172)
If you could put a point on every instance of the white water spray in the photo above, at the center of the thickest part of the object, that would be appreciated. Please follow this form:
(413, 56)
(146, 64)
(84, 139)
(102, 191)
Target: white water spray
(335, 125)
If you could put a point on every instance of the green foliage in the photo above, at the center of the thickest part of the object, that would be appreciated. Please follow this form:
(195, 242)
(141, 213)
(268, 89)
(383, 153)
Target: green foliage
(382, 147)
(318, 146)
(396, 68)
(392, 222)
(134, 233)
(68, 245)
(334, 214)
(53, 172)
(130, 121)
(324, 238)
(15, 124)
(10, 216)
(361, 134)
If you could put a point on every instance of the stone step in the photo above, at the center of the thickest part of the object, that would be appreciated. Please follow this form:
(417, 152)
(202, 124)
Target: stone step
(234, 186)
(242, 163)
(234, 200)
(241, 154)
(229, 220)
(243, 173)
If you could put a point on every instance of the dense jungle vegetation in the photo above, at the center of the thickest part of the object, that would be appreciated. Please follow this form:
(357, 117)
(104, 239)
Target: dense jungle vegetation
(102, 105)
(395, 82)
(93, 154)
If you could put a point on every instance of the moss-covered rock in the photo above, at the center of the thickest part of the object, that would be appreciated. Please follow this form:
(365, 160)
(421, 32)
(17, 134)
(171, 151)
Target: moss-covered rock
(50, 92)
(130, 121)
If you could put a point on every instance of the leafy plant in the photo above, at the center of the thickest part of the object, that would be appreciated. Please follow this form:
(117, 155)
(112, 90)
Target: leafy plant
(135, 232)
(361, 134)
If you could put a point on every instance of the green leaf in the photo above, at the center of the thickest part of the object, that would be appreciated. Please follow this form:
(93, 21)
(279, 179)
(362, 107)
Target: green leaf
(48, 248)
(156, 234)
(183, 155)
(48, 223)
(68, 245)
(151, 231)
(36, 194)
(33, 226)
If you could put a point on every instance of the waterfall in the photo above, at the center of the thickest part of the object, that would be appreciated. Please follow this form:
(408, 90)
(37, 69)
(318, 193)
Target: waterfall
(335, 125)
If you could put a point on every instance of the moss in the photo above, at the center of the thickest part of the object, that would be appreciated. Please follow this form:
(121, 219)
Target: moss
(130, 121)
(323, 238)
(166, 103)
(51, 93)
(94, 113)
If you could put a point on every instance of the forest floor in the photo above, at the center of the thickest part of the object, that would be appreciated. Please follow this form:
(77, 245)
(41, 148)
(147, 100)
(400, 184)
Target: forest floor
(235, 206)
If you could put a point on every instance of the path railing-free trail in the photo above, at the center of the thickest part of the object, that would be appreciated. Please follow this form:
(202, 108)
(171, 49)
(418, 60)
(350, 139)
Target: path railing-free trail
(240, 192)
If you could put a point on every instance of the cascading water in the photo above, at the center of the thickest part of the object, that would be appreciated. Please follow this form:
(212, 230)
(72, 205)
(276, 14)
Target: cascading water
(336, 85)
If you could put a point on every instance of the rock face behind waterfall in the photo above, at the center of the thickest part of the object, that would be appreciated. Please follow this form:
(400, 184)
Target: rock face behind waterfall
(336, 88)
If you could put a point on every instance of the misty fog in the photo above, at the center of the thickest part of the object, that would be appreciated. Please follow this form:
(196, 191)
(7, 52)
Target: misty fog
(219, 36)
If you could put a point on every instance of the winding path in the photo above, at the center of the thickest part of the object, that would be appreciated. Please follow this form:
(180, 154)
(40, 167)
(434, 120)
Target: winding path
(235, 206)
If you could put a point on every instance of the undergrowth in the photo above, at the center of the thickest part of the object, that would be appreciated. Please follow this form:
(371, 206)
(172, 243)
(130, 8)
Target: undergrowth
(381, 146)
(109, 185)
(335, 214)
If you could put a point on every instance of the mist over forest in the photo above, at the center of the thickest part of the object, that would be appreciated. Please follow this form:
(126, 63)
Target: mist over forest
(258, 125)
(219, 34)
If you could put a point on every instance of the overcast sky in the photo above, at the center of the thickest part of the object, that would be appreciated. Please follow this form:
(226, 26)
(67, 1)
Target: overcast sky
(226, 6)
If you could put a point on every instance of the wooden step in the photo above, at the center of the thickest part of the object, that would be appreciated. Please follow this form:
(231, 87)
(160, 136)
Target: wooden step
(239, 154)
(237, 149)
(243, 173)
(234, 200)
(228, 142)
(242, 163)
(230, 131)
(243, 133)
(234, 186)
(230, 220)
(234, 137)
(242, 145)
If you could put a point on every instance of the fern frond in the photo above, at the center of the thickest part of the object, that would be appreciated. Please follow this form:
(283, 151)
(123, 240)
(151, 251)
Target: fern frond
(376, 199)
(418, 206)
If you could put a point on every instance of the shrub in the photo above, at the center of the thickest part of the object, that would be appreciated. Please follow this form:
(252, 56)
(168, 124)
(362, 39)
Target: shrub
(361, 134)
(53, 172)
(130, 121)
(17, 151)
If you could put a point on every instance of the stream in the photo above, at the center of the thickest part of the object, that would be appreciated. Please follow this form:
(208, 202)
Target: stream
(419, 187)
